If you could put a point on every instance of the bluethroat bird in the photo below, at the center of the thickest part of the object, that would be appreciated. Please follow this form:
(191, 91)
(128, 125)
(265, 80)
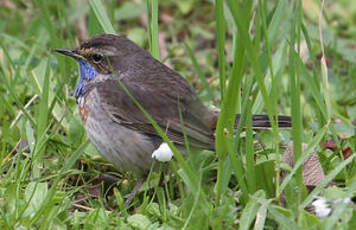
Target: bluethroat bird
(116, 126)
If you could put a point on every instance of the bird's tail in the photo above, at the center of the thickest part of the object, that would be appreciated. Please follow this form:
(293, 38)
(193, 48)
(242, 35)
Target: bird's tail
(262, 121)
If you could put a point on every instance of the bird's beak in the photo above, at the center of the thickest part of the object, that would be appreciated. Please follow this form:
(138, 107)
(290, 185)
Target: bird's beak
(69, 52)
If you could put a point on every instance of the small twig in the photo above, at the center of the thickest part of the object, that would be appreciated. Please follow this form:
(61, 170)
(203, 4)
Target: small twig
(83, 207)
(132, 194)
(324, 68)
(8, 156)
(20, 114)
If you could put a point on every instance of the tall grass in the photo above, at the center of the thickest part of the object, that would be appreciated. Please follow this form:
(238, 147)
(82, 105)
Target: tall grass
(48, 164)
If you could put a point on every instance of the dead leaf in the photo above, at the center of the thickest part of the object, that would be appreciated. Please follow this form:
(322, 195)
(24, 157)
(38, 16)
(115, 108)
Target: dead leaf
(313, 173)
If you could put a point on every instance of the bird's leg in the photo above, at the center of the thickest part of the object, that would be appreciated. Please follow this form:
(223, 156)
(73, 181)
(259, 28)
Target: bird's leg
(132, 194)
(142, 179)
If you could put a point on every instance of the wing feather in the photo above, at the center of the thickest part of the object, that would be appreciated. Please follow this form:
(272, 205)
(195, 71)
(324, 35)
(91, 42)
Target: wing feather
(163, 105)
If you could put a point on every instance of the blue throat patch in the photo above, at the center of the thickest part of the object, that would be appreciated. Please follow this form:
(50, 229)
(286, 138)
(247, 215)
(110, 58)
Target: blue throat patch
(87, 73)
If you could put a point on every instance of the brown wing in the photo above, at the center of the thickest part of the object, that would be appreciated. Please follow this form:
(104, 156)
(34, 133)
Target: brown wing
(162, 104)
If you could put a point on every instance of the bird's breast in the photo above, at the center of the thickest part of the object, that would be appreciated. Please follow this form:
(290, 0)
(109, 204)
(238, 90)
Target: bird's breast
(83, 104)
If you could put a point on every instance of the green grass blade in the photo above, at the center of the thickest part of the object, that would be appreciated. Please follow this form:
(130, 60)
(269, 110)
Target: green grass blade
(250, 155)
(336, 215)
(155, 35)
(250, 210)
(285, 221)
(294, 79)
(100, 12)
(226, 123)
(149, 28)
(200, 72)
(220, 32)
(68, 164)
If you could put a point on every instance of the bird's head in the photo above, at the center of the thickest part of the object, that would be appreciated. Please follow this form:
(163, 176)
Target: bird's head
(103, 53)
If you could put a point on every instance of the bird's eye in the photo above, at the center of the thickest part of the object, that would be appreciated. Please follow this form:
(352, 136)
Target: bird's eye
(97, 58)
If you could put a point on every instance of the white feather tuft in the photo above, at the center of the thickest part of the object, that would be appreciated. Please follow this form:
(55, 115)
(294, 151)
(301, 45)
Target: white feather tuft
(163, 153)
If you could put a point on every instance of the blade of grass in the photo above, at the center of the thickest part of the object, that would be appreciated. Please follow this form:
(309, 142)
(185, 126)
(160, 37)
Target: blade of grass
(239, 13)
(226, 123)
(155, 36)
(325, 86)
(149, 29)
(6, 79)
(324, 68)
(220, 32)
(274, 92)
(285, 221)
(47, 21)
(313, 88)
(42, 121)
(99, 10)
(294, 79)
(52, 191)
(231, 102)
(250, 154)
(200, 73)
(244, 110)
(341, 206)
(94, 26)
(195, 205)
(250, 210)
(261, 217)
(261, 214)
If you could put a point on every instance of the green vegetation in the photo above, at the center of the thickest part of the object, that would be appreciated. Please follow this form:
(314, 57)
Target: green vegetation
(249, 57)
